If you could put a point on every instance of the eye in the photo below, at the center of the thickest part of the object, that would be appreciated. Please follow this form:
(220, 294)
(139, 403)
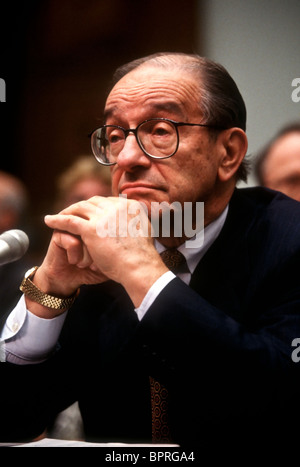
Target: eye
(114, 135)
(161, 129)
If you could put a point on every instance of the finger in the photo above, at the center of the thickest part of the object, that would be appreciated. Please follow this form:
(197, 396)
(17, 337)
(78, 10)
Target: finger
(72, 246)
(86, 260)
(67, 223)
(99, 201)
(84, 208)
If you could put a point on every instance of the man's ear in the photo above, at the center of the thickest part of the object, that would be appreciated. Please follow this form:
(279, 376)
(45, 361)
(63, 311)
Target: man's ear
(234, 142)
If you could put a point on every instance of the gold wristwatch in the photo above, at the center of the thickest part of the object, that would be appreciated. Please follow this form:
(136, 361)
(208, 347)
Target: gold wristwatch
(36, 295)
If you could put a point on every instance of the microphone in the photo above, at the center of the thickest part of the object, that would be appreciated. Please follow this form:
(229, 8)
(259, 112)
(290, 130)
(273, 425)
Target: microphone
(13, 245)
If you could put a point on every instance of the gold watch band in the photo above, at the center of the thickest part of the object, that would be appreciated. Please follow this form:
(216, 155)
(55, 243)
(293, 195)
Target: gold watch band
(36, 295)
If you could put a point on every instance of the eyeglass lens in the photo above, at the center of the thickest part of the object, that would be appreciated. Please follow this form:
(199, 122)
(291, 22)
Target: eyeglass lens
(157, 138)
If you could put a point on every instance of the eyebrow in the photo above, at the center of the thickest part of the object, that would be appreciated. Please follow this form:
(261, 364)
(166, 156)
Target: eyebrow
(168, 106)
(109, 112)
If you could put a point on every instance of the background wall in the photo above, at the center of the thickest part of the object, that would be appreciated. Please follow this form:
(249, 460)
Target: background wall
(60, 55)
(258, 41)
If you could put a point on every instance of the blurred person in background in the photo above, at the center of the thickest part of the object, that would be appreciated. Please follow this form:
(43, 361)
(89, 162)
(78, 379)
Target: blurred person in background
(82, 180)
(278, 164)
(14, 202)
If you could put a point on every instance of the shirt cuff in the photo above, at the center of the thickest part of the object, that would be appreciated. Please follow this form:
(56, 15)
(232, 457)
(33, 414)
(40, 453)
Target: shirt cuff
(20, 346)
(153, 293)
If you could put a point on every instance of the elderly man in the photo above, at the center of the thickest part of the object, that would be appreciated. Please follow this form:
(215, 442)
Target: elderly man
(202, 357)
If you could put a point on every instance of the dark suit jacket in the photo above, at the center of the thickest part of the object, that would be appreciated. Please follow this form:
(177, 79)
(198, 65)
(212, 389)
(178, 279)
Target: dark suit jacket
(222, 346)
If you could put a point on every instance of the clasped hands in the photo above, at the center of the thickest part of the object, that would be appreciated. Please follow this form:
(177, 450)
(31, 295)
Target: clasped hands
(80, 252)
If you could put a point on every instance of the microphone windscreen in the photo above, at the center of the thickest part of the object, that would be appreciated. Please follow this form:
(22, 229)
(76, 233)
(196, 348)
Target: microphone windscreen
(13, 245)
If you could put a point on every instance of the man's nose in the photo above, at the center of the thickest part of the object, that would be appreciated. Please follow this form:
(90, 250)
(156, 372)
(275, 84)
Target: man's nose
(132, 155)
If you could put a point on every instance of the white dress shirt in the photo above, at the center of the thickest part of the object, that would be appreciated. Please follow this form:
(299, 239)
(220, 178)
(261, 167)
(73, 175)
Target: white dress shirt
(27, 338)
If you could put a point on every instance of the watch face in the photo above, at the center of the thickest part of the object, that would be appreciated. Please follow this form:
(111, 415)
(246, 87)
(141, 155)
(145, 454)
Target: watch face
(29, 272)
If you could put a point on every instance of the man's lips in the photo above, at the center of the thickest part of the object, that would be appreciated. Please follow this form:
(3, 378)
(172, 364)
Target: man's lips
(138, 187)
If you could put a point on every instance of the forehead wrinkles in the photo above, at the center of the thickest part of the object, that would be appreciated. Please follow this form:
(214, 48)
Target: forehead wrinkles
(132, 92)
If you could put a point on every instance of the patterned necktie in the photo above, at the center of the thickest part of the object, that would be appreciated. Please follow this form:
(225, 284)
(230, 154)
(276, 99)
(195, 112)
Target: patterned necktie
(159, 410)
(176, 262)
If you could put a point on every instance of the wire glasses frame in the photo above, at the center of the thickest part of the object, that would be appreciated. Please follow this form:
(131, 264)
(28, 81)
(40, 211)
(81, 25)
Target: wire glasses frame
(158, 138)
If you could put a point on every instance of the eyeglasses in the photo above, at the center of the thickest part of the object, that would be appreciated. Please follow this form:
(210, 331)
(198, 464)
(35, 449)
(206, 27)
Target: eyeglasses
(158, 138)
